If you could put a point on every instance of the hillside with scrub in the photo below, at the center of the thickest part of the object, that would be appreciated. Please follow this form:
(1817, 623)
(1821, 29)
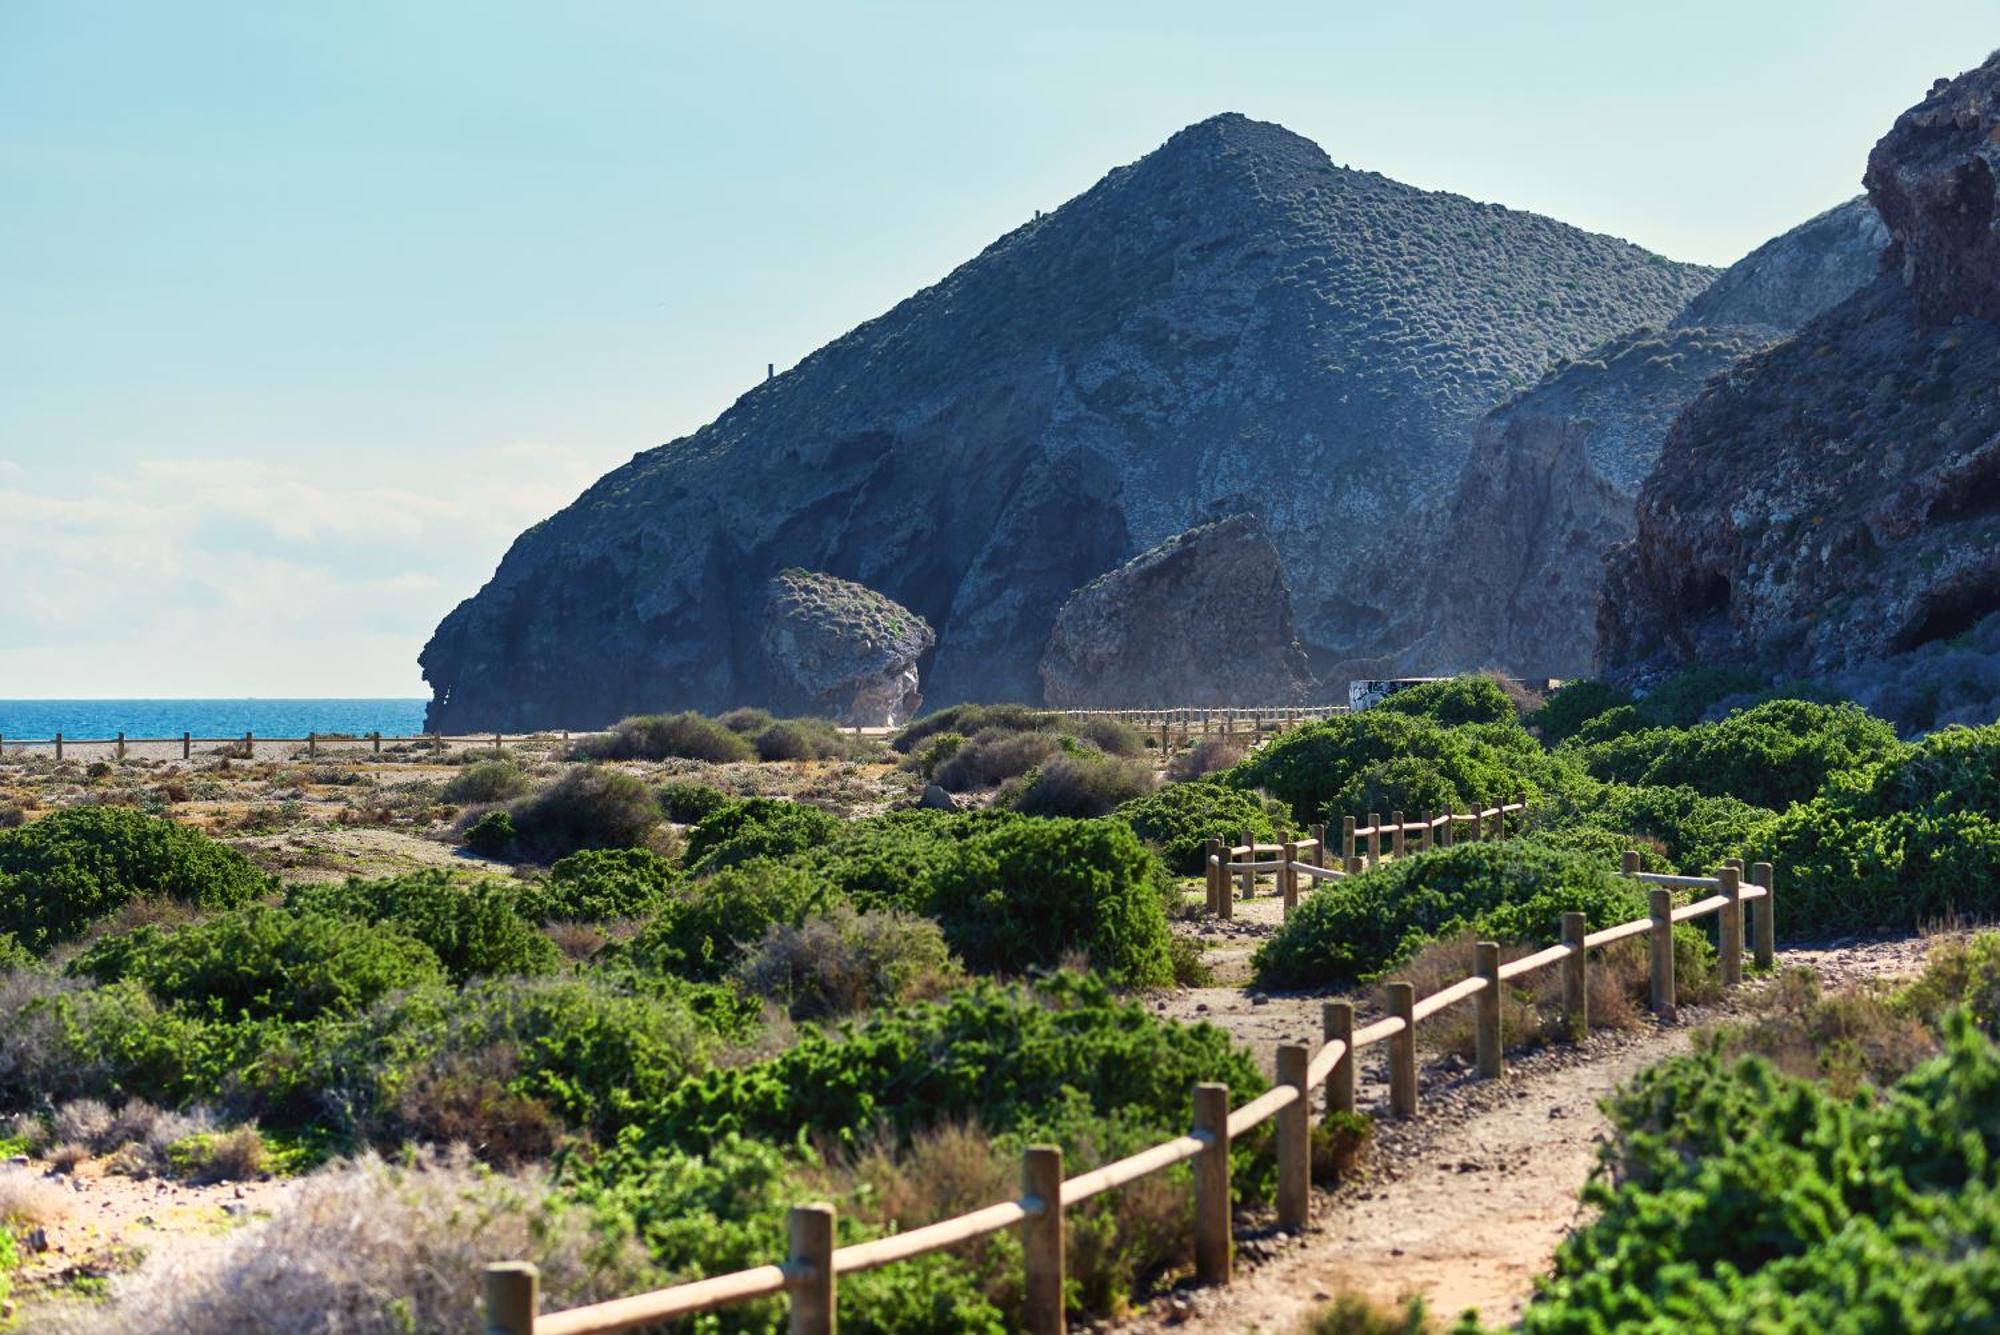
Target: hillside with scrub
(628, 1000)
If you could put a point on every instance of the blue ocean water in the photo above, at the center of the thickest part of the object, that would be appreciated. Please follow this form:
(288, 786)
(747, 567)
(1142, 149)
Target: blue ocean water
(37, 719)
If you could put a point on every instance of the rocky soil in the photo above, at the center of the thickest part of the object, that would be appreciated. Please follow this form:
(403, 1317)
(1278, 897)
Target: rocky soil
(1233, 323)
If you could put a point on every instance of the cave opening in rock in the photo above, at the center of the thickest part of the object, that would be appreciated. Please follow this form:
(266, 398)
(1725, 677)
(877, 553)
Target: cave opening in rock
(1950, 612)
(1708, 591)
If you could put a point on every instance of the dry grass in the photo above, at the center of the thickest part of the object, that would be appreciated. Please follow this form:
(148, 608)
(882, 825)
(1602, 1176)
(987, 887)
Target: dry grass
(370, 1248)
(29, 1200)
(1207, 756)
(1857, 1036)
(1357, 1314)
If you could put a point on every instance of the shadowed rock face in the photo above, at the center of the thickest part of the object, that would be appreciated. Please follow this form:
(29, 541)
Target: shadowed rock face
(835, 649)
(1232, 323)
(1550, 484)
(1202, 619)
(1835, 500)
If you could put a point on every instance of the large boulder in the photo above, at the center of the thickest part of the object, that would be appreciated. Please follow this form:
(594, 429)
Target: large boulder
(1552, 479)
(1202, 619)
(1835, 501)
(839, 649)
(1232, 323)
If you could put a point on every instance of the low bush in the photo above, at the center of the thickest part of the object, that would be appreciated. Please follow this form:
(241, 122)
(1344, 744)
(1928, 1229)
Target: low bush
(810, 739)
(1210, 755)
(704, 929)
(684, 802)
(1574, 704)
(1408, 784)
(492, 835)
(994, 756)
(892, 861)
(1471, 699)
(589, 807)
(1022, 895)
(265, 963)
(1181, 818)
(1114, 737)
(474, 928)
(840, 962)
(78, 864)
(602, 884)
(685, 736)
(488, 781)
(1678, 828)
(1351, 930)
(757, 827)
(934, 751)
(970, 719)
(1086, 785)
(747, 720)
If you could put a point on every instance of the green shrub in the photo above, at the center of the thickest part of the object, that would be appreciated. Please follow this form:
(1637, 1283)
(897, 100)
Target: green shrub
(1574, 704)
(932, 753)
(601, 884)
(810, 739)
(1181, 818)
(76, 865)
(589, 807)
(892, 861)
(1021, 895)
(1684, 700)
(702, 931)
(756, 827)
(684, 802)
(836, 963)
(492, 835)
(1114, 737)
(1352, 930)
(265, 963)
(970, 719)
(1770, 755)
(685, 736)
(1407, 784)
(474, 929)
(1089, 785)
(747, 720)
(994, 756)
(1458, 700)
(488, 781)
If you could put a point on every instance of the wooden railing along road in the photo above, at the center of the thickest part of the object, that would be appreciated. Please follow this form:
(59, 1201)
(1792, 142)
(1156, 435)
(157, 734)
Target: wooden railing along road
(809, 1275)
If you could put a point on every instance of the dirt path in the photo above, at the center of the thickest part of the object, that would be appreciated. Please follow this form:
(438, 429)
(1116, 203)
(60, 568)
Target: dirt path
(1467, 1204)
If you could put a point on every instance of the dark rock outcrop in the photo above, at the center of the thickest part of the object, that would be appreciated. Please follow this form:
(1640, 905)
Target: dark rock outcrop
(1202, 619)
(1835, 500)
(1232, 323)
(837, 649)
(1792, 278)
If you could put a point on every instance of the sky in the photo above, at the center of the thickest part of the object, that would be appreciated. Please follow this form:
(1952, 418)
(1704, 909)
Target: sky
(307, 310)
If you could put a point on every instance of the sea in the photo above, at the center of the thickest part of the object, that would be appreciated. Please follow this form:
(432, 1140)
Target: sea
(33, 720)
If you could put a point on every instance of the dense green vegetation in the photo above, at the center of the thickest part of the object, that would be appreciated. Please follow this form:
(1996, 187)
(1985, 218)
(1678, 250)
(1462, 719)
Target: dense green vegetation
(1181, 818)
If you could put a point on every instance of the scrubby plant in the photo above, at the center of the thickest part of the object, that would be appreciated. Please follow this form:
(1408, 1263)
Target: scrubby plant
(75, 865)
(747, 720)
(892, 861)
(1021, 895)
(971, 719)
(1181, 818)
(492, 835)
(931, 754)
(1469, 699)
(1210, 755)
(589, 807)
(1114, 737)
(705, 927)
(1084, 785)
(1408, 784)
(684, 802)
(599, 884)
(1574, 704)
(756, 827)
(488, 781)
(684, 736)
(473, 927)
(840, 962)
(995, 755)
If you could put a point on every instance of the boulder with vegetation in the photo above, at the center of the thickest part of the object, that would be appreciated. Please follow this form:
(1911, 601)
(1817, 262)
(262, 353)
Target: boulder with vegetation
(840, 649)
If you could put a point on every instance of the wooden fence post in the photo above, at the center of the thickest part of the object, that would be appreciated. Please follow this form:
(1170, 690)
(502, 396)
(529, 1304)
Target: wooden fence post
(1661, 902)
(1397, 841)
(121, 746)
(1447, 831)
(1486, 1009)
(376, 738)
(1374, 838)
(58, 746)
(1576, 979)
(810, 1270)
(1294, 1139)
(249, 746)
(187, 745)
(1353, 866)
(1042, 1239)
(1211, 1184)
(1731, 933)
(512, 1297)
(312, 745)
(1318, 833)
(1211, 864)
(1403, 1051)
(1249, 871)
(1766, 932)
(1346, 839)
(1336, 1021)
(1288, 878)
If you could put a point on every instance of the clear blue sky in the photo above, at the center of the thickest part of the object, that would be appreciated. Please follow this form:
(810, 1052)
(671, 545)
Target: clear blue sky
(305, 310)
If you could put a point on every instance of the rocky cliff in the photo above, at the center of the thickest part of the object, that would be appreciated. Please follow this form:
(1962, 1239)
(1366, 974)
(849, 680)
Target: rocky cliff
(1231, 324)
(1551, 481)
(1835, 501)
(1202, 619)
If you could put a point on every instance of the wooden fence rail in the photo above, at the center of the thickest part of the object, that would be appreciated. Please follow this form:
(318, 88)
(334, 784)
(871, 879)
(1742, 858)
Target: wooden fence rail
(312, 741)
(810, 1273)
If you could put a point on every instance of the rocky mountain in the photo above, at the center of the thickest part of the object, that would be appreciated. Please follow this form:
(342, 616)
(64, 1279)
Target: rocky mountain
(1231, 324)
(1552, 477)
(1202, 619)
(1834, 501)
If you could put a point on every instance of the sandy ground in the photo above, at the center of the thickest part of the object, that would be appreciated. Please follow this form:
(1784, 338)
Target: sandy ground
(1467, 1204)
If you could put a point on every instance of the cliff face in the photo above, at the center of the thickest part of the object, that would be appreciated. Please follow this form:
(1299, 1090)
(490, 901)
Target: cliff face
(1202, 619)
(1835, 500)
(1231, 324)
(1551, 480)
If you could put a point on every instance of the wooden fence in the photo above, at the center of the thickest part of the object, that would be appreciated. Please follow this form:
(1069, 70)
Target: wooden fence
(810, 1273)
(1193, 721)
(312, 741)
